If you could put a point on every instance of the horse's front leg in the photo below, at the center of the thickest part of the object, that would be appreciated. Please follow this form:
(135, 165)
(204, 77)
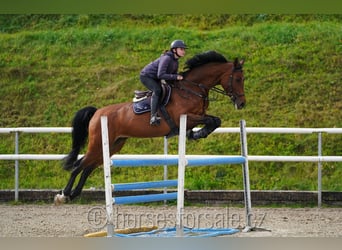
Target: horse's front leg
(210, 124)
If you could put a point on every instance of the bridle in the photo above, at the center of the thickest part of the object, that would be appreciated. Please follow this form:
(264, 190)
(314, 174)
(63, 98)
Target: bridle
(232, 95)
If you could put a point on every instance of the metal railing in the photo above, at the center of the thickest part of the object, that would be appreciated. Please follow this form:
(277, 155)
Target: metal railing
(250, 130)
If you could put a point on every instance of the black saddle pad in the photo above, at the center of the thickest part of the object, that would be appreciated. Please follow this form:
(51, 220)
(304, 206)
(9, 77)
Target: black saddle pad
(143, 105)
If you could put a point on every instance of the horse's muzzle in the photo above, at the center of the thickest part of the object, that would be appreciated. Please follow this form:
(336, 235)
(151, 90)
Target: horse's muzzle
(240, 106)
(239, 103)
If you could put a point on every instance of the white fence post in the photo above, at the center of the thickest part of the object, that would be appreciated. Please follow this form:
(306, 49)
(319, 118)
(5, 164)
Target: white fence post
(319, 172)
(107, 175)
(165, 166)
(182, 162)
(245, 170)
(16, 174)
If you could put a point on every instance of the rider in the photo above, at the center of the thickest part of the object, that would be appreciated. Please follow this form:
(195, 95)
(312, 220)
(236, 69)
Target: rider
(163, 68)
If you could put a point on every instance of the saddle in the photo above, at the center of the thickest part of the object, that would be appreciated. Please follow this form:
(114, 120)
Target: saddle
(142, 104)
(142, 98)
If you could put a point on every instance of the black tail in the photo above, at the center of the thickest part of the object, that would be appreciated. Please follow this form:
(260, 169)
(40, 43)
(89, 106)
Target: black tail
(79, 134)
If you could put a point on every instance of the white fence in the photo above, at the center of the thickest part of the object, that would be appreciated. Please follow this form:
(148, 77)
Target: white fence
(250, 130)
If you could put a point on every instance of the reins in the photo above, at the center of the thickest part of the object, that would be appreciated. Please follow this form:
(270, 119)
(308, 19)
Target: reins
(231, 93)
(200, 85)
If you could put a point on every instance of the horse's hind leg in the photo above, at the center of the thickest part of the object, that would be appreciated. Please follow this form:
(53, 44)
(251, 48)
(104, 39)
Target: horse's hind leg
(78, 189)
(77, 169)
(117, 145)
(88, 169)
(61, 198)
(88, 163)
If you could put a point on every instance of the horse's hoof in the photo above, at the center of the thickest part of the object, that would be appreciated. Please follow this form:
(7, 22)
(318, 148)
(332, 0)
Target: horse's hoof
(59, 199)
(190, 135)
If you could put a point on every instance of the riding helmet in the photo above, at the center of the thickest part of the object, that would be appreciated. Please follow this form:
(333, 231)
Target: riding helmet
(178, 44)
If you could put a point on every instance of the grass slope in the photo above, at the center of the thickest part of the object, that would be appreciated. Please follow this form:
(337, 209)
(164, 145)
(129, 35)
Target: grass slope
(53, 65)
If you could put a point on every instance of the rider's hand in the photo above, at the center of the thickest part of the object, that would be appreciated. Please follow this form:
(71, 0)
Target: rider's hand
(179, 77)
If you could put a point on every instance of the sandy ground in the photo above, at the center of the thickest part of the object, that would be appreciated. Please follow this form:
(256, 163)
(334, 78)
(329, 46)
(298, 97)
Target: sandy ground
(78, 220)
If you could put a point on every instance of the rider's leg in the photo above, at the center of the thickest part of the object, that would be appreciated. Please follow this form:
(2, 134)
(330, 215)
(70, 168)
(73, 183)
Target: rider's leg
(153, 85)
(154, 108)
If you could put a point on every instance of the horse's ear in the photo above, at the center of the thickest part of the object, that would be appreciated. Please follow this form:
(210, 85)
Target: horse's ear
(238, 63)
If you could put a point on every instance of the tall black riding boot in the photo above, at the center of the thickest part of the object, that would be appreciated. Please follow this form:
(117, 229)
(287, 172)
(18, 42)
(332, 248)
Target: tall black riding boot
(155, 119)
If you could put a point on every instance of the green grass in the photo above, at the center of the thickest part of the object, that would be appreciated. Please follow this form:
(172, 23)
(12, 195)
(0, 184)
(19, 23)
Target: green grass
(53, 65)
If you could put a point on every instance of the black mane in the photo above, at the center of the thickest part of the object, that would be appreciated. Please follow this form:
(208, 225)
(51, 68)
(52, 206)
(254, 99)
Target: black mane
(204, 58)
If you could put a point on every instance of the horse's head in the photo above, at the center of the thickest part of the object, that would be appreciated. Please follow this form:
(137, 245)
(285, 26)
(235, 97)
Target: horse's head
(234, 85)
(211, 68)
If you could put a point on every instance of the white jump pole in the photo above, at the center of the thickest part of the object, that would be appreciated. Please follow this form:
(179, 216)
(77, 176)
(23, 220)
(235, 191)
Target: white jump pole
(245, 171)
(182, 162)
(107, 175)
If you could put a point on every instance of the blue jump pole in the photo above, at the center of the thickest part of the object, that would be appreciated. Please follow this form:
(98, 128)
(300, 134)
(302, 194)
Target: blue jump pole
(144, 198)
(144, 185)
(192, 160)
(139, 162)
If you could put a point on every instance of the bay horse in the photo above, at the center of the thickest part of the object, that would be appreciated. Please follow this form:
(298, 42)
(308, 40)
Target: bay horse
(189, 96)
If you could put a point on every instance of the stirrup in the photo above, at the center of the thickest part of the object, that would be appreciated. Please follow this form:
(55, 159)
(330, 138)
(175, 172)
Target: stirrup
(155, 120)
